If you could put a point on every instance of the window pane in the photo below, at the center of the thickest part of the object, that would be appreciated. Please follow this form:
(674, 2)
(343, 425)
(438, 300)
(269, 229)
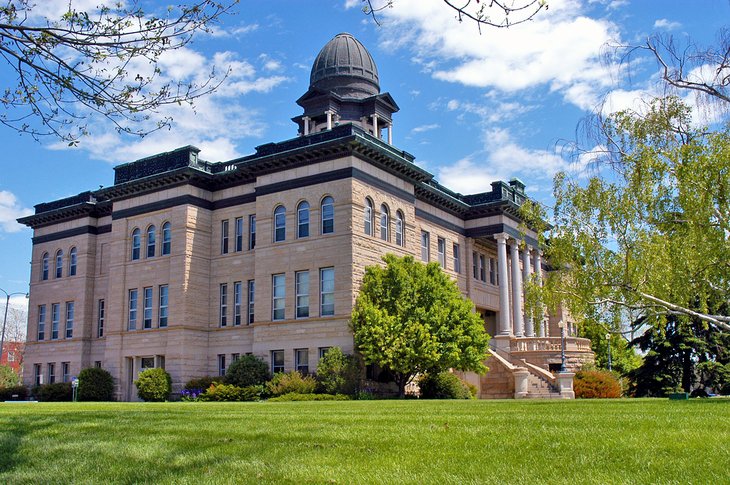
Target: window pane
(132, 316)
(251, 297)
(328, 215)
(72, 262)
(239, 234)
(327, 291)
(136, 244)
(69, 319)
(163, 311)
(55, 320)
(223, 305)
(251, 232)
(237, 296)
(147, 308)
(100, 321)
(279, 296)
(280, 224)
(151, 241)
(303, 220)
(425, 246)
(302, 292)
(224, 237)
(41, 322)
(166, 238)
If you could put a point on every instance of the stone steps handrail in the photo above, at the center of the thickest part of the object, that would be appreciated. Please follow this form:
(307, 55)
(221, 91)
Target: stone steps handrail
(553, 344)
(540, 372)
(506, 363)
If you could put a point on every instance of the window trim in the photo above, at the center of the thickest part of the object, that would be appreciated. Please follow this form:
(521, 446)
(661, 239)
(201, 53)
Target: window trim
(298, 365)
(441, 251)
(238, 234)
(132, 303)
(45, 266)
(147, 297)
(237, 302)
(456, 253)
(55, 320)
(279, 223)
(252, 232)
(301, 291)
(223, 305)
(425, 246)
(72, 261)
(166, 238)
(163, 308)
(151, 246)
(41, 329)
(368, 216)
(59, 264)
(274, 366)
(327, 215)
(136, 253)
(399, 239)
(70, 310)
(303, 219)
(100, 316)
(276, 299)
(224, 236)
(324, 294)
(384, 223)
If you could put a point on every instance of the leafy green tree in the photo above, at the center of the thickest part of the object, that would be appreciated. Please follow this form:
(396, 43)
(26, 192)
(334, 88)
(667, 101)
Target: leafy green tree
(8, 377)
(248, 370)
(102, 61)
(338, 373)
(411, 318)
(95, 384)
(651, 237)
(154, 385)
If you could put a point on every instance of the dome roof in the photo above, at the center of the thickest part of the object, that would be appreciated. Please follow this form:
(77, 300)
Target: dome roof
(345, 67)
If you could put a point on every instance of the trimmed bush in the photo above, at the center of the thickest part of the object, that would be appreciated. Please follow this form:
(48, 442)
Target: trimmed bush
(13, 393)
(154, 385)
(56, 392)
(249, 370)
(338, 373)
(592, 384)
(443, 385)
(295, 396)
(202, 383)
(95, 384)
(284, 383)
(230, 393)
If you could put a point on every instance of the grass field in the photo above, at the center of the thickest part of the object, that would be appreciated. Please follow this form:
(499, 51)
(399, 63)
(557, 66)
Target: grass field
(622, 441)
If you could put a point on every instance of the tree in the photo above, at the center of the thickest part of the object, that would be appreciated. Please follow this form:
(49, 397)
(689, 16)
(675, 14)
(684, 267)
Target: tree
(411, 318)
(338, 373)
(101, 62)
(249, 370)
(154, 385)
(652, 237)
(8, 377)
(492, 13)
(95, 384)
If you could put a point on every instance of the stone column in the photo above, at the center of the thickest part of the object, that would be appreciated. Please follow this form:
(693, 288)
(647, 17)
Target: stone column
(516, 289)
(529, 327)
(537, 263)
(390, 133)
(504, 327)
(305, 119)
(376, 134)
(329, 119)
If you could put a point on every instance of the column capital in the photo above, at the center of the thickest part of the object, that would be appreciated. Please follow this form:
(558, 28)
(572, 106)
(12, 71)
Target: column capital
(502, 236)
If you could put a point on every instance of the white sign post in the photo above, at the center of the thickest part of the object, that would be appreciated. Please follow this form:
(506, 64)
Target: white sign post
(75, 386)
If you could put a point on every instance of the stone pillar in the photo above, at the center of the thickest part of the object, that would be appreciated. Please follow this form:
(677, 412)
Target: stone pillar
(516, 289)
(329, 119)
(537, 263)
(521, 376)
(376, 134)
(529, 327)
(390, 133)
(565, 385)
(504, 327)
(305, 119)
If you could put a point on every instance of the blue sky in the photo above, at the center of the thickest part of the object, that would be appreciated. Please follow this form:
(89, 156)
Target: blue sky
(473, 108)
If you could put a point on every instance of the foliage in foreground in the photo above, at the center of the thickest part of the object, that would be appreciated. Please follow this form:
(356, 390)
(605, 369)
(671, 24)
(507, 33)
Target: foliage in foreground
(154, 385)
(592, 384)
(338, 373)
(248, 370)
(14, 393)
(443, 385)
(229, 393)
(55, 392)
(95, 384)
(285, 383)
(295, 396)
(411, 318)
(8, 377)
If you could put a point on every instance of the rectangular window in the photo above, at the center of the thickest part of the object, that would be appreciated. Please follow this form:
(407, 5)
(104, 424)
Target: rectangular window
(41, 322)
(100, 320)
(147, 307)
(302, 292)
(239, 234)
(51, 372)
(251, 295)
(147, 363)
(223, 321)
(482, 269)
(221, 364)
(237, 298)
(425, 243)
(251, 232)
(97, 364)
(323, 351)
(69, 319)
(55, 319)
(327, 291)
(132, 315)
(475, 265)
(66, 371)
(278, 294)
(162, 313)
(441, 246)
(235, 357)
(277, 361)
(301, 361)
(492, 271)
(37, 374)
(457, 258)
(224, 237)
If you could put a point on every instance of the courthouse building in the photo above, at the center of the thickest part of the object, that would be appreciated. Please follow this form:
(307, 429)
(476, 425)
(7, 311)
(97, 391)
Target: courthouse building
(188, 264)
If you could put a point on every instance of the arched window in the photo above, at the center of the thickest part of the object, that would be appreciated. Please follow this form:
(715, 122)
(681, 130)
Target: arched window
(151, 241)
(399, 229)
(136, 244)
(328, 215)
(44, 267)
(72, 262)
(384, 221)
(368, 217)
(303, 219)
(166, 238)
(280, 223)
(59, 263)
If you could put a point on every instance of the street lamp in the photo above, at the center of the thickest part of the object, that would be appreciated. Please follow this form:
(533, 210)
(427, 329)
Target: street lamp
(561, 325)
(608, 341)
(5, 319)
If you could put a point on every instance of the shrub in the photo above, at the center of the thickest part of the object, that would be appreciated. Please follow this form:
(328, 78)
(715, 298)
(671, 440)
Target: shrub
(229, 392)
(443, 385)
(295, 396)
(153, 385)
(13, 393)
(591, 384)
(338, 373)
(8, 377)
(249, 370)
(56, 392)
(202, 383)
(284, 383)
(95, 384)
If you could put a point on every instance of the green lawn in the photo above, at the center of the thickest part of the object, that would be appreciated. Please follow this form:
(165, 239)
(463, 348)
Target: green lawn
(622, 441)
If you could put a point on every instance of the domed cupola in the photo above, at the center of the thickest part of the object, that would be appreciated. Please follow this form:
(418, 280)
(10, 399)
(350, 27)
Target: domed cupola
(344, 66)
(344, 87)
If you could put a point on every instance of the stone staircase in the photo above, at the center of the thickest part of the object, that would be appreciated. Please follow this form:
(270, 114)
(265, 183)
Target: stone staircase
(539, 388)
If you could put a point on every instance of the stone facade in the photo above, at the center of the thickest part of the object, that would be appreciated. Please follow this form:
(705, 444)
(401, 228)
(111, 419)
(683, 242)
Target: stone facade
(157, 269)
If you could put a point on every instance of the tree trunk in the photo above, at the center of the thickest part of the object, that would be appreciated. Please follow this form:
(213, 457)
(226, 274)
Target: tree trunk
(687, 371)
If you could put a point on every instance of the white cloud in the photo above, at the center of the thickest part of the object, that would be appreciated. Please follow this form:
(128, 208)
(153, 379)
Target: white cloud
(665, 24)
(352, 3)
(422, 128)
(10, 210)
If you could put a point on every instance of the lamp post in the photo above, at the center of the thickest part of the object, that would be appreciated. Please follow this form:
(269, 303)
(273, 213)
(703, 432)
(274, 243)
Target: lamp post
(608, 341)
(5, 318)
(561, 325)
